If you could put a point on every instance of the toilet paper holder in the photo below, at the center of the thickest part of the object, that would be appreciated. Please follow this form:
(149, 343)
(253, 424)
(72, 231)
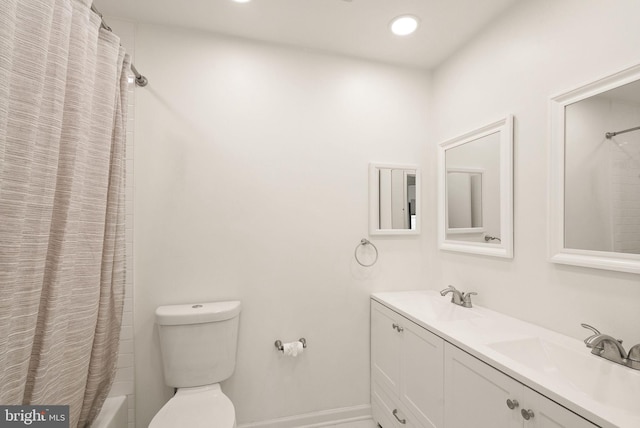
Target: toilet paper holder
(280, 347)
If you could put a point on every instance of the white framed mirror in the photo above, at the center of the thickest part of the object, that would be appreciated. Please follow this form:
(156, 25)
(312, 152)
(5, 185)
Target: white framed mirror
(394, 199)
(595, 174)
(475, 191)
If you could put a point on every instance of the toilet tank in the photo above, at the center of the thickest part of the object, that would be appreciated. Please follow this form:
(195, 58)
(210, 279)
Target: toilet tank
(198, 342)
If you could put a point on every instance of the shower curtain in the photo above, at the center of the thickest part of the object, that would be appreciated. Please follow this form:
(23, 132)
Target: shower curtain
(63, 87)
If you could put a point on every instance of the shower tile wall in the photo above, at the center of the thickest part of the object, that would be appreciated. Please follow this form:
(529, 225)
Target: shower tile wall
(626, 181)
(124, 381)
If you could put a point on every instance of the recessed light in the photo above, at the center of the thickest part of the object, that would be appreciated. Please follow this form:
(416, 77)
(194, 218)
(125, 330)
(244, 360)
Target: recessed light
(404, 25)
(241, 1)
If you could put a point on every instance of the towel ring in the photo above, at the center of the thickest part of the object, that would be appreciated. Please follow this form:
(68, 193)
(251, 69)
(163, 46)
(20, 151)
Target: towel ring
(362, 243)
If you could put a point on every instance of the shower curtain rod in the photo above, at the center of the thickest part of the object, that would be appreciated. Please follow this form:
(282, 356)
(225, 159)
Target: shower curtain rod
(610, 135)
(140, 79)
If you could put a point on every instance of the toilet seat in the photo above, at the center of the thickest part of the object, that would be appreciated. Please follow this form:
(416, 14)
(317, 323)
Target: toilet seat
(199, 407)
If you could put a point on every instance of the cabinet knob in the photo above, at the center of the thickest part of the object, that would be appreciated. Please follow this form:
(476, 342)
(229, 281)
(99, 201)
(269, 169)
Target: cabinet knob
(512, 404)
(395, 413)
(397, 327)
(527, 414)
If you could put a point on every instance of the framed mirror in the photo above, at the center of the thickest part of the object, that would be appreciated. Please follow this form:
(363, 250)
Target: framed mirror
(394, 199)
(475, 191)
(595, 174)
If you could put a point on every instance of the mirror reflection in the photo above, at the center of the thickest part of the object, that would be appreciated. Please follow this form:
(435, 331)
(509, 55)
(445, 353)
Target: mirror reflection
(473, 190)
(602, 172)
(397, 190)
(393, 199)
(464, 200)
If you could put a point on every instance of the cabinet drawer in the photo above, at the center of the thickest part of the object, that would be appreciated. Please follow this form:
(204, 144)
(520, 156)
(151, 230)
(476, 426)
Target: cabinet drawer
(388, 412)
(382, 407)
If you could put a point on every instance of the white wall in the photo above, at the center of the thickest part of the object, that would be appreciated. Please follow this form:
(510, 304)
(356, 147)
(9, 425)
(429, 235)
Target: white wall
(538, 49)
(251, 183)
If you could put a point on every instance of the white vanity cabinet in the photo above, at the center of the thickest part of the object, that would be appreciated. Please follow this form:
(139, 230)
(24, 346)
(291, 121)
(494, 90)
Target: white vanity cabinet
(406, 372)
(421, 378)
(479, 396)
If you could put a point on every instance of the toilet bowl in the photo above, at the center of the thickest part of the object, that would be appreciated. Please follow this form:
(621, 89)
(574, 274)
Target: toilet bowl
(198, 343)
(197, 407)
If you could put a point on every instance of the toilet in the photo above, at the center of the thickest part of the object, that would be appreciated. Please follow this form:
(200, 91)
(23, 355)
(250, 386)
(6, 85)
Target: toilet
(198, 344)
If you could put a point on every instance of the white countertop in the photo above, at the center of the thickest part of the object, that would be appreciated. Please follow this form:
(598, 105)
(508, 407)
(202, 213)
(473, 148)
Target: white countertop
(607, 394)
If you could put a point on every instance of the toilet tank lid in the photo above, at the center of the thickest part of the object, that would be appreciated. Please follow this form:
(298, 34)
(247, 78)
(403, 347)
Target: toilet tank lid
(197, 313)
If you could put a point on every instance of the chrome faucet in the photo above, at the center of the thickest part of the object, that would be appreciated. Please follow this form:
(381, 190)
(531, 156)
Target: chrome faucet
(611, 349)
(457, 297)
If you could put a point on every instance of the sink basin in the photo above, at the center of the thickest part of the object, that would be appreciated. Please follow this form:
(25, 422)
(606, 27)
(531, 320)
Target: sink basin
(450, 312)
(436, 309)
(602, 380)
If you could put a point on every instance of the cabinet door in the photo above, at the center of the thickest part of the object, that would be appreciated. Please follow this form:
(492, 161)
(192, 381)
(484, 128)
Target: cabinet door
(385, 348)
(475, 394)
(421, 367)
(549, 414)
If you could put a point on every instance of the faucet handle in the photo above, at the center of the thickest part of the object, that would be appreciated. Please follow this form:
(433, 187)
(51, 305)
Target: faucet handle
(466, 299)
(595, 331)
(634, 353)
(633, 358)
(467, 296)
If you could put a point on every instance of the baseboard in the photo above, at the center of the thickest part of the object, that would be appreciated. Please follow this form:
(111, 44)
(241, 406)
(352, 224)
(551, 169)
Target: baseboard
(317, 419)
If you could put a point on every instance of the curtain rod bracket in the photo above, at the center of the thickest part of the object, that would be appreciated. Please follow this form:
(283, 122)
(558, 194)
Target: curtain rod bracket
(140, 79)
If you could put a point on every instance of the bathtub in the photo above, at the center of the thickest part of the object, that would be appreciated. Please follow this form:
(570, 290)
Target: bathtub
(113, 414)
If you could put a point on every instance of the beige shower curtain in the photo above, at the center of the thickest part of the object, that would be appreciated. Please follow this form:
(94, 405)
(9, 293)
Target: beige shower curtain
(63, 87)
